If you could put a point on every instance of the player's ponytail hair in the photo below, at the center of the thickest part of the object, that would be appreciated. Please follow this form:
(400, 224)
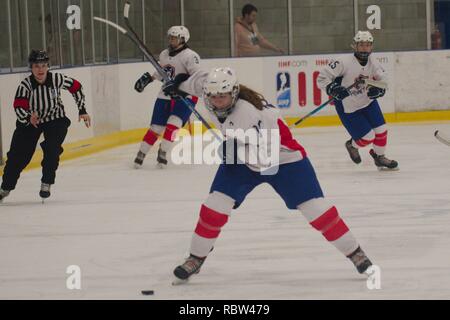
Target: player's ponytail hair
(253, 97)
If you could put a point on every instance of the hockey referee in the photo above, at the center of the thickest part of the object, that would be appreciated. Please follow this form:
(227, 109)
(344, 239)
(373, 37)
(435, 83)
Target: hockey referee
(39, 110)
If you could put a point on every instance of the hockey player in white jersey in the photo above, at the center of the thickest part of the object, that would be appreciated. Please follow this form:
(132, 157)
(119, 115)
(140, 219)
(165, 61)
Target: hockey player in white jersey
(358, 107)
(169, 115)
(234, 108)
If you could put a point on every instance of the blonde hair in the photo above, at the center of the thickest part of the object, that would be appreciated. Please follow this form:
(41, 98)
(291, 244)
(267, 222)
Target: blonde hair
(253, 97)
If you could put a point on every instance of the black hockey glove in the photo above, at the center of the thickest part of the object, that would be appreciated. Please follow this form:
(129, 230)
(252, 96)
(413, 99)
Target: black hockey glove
(229, 152)
(337, 91)
(170, 88)
(142, 82)
(374, 92)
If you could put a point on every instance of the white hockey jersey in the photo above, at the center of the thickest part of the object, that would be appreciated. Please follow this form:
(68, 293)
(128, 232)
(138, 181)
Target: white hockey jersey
(349, 69)
(267, 123)
(186, 61)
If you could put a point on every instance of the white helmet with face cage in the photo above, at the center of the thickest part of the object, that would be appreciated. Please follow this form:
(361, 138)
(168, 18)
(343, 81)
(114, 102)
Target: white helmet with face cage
(362, 36)
(221, 81)
(181, 32)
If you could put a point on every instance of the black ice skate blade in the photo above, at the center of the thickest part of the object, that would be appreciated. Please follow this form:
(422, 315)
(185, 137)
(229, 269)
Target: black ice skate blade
(388, 169)
(177, 281)
(137, 163)
(161, 166)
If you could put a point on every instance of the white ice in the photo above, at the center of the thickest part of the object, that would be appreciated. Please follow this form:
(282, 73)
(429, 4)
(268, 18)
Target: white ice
(127, 229)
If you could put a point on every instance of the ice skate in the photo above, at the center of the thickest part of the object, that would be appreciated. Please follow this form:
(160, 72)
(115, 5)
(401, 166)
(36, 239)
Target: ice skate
(139, 160)
(161, 159)
(3, 194)
(383, 163)
(45, 191)
(360, 260)
(190, 267)
(353, 152)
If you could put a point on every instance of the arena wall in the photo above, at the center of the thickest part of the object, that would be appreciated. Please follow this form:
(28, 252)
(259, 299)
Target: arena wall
(418, 82)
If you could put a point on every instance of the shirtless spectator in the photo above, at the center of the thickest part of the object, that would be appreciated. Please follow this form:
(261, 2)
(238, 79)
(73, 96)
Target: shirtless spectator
(248, 40)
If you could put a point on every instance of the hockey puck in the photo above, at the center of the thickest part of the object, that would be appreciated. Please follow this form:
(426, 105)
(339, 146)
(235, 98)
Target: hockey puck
(147, 292)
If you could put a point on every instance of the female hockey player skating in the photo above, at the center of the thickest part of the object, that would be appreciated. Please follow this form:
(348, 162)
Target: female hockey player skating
(236, 107)
(169, 115)
(358, 108)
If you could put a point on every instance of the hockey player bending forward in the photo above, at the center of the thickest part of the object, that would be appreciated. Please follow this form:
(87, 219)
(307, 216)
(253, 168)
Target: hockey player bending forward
(235, 106)
(358, 107)
(169, 115)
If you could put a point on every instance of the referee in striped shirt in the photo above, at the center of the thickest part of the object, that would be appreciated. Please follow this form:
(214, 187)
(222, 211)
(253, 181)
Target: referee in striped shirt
(39, 110)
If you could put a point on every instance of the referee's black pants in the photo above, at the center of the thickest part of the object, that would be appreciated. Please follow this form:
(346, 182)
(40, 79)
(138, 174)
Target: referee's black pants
(23, 146)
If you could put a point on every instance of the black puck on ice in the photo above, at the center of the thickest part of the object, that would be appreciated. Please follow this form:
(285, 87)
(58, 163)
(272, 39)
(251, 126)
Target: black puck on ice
(147, 292)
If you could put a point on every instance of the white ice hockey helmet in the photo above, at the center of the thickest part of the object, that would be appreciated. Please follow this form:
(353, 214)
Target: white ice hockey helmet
(180, 32)
(363, 36)
(219, 81)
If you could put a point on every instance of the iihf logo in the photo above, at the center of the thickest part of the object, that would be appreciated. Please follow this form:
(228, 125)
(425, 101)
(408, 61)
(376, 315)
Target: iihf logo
(283, 90)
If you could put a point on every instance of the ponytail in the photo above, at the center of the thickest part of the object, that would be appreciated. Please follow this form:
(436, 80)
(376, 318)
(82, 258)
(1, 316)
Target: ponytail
(253, 97)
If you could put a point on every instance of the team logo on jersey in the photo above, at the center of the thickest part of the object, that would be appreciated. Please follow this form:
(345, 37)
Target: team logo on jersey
(360, 86)
(170, 70)
(283, 90)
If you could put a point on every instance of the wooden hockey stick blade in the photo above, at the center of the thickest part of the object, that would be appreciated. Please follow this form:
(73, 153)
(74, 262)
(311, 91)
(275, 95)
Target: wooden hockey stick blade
(375, 83)
(142, 46)
(112, 24)
(442, 139)
(126, 9)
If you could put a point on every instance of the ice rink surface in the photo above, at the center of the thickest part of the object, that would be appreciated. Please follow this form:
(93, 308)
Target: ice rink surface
(127, 229)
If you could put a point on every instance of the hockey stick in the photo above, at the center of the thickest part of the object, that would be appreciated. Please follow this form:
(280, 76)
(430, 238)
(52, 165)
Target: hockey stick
(323, 105)
(375, 83)
(148, 54)
(441, 138)
(155, 64)
(142, 46)
(124, 32)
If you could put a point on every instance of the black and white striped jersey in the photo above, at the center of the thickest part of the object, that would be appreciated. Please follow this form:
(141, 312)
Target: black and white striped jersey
(45, 99)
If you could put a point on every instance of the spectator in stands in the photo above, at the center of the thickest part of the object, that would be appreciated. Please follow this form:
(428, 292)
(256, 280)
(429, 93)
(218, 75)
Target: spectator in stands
(248, 40)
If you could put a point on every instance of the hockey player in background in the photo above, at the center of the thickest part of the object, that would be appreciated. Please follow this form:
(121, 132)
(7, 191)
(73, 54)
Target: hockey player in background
(358, 107)
(169, 115)
(235, 107)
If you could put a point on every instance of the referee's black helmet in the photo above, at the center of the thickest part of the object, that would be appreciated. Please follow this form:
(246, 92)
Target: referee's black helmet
(38, 56)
